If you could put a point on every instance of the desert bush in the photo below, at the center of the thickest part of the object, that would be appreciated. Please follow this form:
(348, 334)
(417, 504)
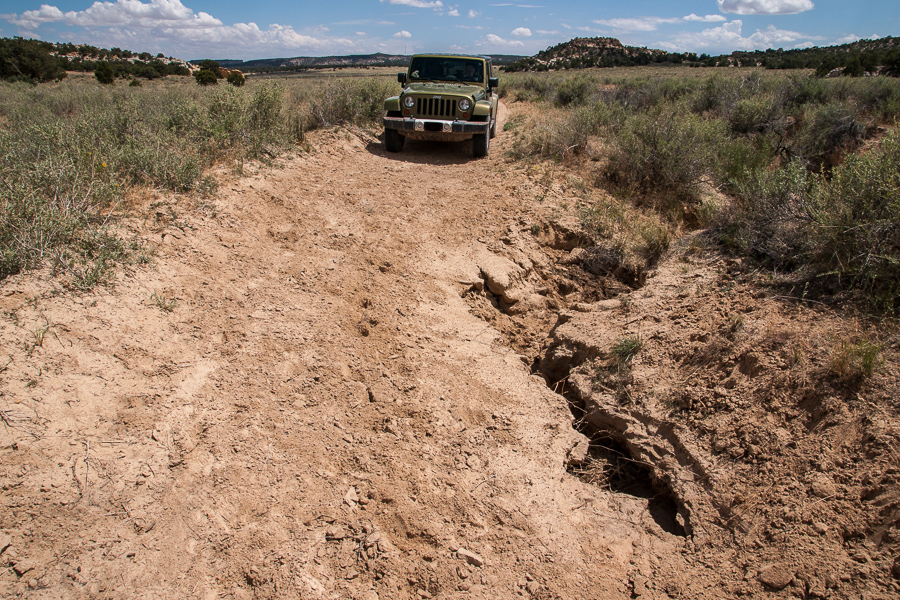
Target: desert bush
(342, 102)
(574, 90)
(104, 73)
(563, 134)
(236, 79)
(666, 149)
(205, 77)
(772, 210)
(842, 229)
(756, 114)
(858, 223)
(799, 90)
(827, 131)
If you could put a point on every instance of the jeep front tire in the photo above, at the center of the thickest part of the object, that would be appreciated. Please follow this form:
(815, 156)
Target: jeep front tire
(481, 144)
(393, 141)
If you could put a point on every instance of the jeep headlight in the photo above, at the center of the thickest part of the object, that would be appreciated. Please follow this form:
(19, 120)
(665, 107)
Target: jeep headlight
(465, 104)
(409, 102)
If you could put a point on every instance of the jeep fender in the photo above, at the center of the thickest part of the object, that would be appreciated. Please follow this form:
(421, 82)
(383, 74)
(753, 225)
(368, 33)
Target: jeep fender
(392, 104)
(482, 109)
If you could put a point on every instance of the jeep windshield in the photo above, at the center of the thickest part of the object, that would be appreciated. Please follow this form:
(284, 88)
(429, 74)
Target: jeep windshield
(430, 68)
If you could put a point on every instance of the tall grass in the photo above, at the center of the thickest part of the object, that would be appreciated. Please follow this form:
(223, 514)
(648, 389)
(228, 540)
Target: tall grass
(794, 151)
(69, 152)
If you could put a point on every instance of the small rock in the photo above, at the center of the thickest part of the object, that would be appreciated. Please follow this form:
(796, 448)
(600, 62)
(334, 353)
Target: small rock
(823, 486)
(463, 572)
(334, 533)
(816, 588)
(23, 567)
(533, 587)
(351, 575)
(895, 570)
(574, 257)
(610, 304)
(820, 528)
(639, 585)
(423, 593)
(861, 557)
(470, 557)
(5, 542)
(776, 576)
(350, 497)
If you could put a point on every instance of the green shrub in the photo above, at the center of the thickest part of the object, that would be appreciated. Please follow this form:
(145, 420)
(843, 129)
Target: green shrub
(666, 149)
(827, 131)
(104, 73)
(205, 77)
(754, 115)
(858, 223)
(236, 79)
(573, 90)
(840, 229)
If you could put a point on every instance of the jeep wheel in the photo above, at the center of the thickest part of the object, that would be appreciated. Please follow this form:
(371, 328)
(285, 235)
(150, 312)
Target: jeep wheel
(493, 128)
(393, 141)
(481, 144)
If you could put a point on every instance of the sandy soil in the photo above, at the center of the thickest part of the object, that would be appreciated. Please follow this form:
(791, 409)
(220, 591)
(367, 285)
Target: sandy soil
(366, 375)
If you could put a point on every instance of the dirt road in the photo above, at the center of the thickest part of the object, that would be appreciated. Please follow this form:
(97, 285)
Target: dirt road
(323, 387)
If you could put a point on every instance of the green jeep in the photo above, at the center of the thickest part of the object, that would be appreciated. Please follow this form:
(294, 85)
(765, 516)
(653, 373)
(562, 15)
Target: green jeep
(445, 98)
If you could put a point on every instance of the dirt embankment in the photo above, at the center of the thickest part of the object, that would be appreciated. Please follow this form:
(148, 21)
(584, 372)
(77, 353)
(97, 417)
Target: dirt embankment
(333, 383)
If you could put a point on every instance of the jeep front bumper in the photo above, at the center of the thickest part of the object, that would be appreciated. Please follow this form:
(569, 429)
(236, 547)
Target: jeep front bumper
(412, 127)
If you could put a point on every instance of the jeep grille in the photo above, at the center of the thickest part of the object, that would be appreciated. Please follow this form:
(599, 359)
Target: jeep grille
(436, 107)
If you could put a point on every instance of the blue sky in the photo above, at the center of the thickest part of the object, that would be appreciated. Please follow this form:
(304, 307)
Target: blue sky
(247, 30)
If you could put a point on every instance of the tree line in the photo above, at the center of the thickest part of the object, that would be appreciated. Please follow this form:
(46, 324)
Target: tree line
(37, 61)
(854, 59)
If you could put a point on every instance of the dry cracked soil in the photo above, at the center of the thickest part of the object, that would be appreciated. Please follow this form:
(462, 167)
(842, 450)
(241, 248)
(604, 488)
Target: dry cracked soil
(364, 375)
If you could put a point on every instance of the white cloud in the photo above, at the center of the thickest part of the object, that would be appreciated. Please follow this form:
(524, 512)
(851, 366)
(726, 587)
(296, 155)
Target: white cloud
(804, 45)
(730, 35)
(453, 13)
(403, 34)
(847, 39)
(473, 14)
(360, 33)
(705, 19)
(417, 3)
(130, 13)
(521, 32)
(765, 7)
(497, 41)
(636, 24)
(547, 32)
(175, 28)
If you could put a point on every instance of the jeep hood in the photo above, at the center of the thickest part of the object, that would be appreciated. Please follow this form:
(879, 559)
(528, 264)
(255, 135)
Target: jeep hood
(428, 87)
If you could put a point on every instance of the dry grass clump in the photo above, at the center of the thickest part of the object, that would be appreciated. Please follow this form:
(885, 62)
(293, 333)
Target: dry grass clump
(856, 361)
(70, 152)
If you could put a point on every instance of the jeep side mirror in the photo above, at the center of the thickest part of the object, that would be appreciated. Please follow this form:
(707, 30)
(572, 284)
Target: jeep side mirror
(401, 77)
(493, 82)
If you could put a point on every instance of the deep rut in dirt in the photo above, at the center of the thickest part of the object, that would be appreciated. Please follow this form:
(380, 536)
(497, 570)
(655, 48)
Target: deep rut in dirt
(354, 376)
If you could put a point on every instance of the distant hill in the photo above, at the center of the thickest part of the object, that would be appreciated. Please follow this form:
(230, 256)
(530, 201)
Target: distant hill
(321, 62)
(857, 58)
(580, 53)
